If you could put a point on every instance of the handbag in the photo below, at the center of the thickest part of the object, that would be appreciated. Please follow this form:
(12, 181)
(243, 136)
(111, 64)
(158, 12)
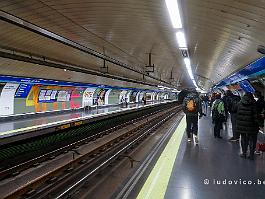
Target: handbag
(261, 141)
(261, 147)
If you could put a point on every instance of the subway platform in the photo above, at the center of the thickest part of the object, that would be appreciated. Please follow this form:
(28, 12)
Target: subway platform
(211, 169)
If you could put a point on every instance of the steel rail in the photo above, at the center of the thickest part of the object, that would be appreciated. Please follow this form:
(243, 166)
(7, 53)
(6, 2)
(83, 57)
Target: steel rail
(155, 121)
(25, 165)
(132, 182)
(113, 157)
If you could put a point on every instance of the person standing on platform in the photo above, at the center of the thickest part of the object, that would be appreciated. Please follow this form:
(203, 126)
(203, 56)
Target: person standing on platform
(225, 100)
(212, 99)
(218, 115)
(247, 124)
(260, 114)
(231, 104)
(192, 107)
(144, 100)
(205, 103)
(260, 108)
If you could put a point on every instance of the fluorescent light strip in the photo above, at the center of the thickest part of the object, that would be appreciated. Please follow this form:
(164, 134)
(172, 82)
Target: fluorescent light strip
(188, 66)
(181, 40)
(173, 9)
(191, 75)
(187, 61)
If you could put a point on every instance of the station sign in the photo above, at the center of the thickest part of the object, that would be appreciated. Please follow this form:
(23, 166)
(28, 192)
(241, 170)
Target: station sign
(23, 90)
(33, 81)
(251, 70)
(246, 86)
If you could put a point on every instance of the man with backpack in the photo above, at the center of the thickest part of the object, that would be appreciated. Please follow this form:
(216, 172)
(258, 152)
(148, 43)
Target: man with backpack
(218, 115)
(232, 102)
(192, 107)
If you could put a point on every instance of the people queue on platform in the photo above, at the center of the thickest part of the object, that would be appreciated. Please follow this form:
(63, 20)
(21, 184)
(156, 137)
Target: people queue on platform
(246, 115)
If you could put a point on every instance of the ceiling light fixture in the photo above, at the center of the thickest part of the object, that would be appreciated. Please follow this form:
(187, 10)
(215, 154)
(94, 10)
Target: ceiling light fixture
(195, 84)
(191, 75)
(173, 9)
(181, 40)
(187, 61)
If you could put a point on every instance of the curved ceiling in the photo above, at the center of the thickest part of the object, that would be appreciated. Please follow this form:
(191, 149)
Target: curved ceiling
(222, 36)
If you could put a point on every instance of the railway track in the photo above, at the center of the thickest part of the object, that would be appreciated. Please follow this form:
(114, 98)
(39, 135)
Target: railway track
(19, 157)
(76, 163)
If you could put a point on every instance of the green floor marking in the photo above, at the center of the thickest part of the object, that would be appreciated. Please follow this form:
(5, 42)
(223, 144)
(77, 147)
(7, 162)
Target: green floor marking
(156, 184)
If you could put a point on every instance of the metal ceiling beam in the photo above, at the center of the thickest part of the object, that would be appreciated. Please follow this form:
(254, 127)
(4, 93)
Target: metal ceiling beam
(41, 31)
(74, 68)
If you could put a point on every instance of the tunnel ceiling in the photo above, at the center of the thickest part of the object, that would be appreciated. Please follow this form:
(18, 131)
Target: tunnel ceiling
(222, 36)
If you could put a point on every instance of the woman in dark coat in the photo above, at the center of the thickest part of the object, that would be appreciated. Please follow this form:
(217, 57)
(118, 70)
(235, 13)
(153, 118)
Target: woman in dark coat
(247, 124)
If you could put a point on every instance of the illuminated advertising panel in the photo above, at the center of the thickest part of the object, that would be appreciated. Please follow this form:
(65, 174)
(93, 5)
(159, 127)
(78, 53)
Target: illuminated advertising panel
(47, 96)
(107, 96)
(88, 97)
(64, 96)
(7, 99)
(99, 96)
(133, 96)
(123, 96)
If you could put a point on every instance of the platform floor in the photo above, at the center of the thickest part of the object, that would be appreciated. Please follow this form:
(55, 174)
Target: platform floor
(198, 170)
(15, 127)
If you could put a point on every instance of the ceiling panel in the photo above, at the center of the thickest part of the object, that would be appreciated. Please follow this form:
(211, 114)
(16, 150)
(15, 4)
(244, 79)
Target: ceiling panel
(222, 35)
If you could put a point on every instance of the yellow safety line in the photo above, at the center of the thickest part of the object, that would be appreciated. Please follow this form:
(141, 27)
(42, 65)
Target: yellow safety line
(156, 184)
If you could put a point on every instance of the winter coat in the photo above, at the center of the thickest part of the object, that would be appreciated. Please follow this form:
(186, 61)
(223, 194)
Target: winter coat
(260, 105)
(260, 109)
(247, 120)
(198, 103)
(232, 102)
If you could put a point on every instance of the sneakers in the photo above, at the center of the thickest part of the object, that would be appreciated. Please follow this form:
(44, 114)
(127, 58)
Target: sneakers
(243, 155)
(196, 139)
(257, 152)
(251, 157)
(233, 139)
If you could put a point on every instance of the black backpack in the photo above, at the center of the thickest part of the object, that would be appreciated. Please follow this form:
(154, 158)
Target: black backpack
(234, 103)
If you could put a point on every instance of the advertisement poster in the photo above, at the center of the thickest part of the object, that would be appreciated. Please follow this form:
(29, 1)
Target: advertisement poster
(133, 96)
(140, 96)
(7, 99)
(138, 99)
(127, 97)
(153, 96)
(107, 96)
(64, 96)
(88, 97)
(123, 96)
(99, 96)
(148, 96)
(47, 96)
